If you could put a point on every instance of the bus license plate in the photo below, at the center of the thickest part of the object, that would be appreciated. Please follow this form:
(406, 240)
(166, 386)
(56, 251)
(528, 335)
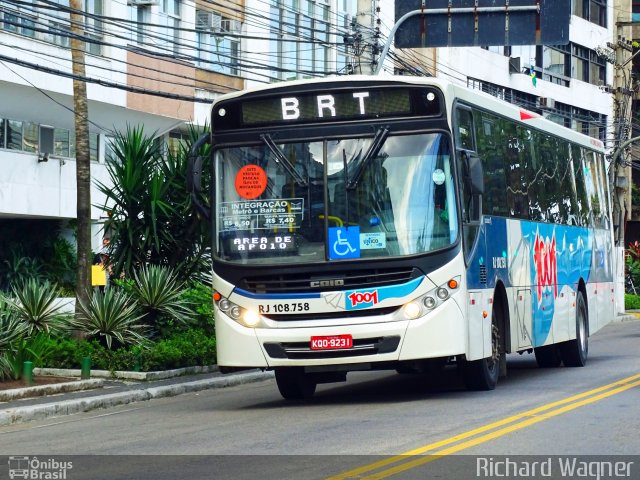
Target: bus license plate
(333, 342)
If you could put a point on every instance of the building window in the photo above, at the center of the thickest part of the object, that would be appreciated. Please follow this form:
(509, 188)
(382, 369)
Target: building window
(218, 42)
(52, 24)
(593, 10)
(93, 146)
(14, 135)
(561, 63)
(93, 26)
(556, 66)
(299, 33)
(171, 20)
(176, 142)
(29, 137)
(24, 136)
(21, 22)
(61, 142)
(58, 21)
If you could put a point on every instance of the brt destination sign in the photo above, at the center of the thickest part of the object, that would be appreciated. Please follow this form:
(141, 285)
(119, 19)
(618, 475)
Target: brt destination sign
(458, 23)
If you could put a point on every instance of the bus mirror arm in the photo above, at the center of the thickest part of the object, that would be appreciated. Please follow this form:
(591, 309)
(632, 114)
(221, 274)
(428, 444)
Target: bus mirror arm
(194, 175)
(475, 210)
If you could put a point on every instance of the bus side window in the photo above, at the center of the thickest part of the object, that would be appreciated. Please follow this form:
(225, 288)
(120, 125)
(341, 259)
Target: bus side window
(464, 138)
(464, 130)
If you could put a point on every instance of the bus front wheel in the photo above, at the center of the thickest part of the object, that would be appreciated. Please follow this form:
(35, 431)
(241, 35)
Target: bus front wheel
(483, 374)
(294, 384)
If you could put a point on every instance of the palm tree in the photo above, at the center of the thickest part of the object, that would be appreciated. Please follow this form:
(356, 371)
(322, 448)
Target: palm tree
(83, 164)
(151, 221)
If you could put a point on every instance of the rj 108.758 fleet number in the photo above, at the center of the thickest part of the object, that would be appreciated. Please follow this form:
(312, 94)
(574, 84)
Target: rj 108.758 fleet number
(285, 307)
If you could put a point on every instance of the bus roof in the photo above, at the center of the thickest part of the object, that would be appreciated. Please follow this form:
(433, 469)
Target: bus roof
(452, 92)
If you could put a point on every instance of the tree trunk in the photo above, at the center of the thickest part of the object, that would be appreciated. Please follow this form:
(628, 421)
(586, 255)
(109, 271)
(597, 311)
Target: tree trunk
(83, 164)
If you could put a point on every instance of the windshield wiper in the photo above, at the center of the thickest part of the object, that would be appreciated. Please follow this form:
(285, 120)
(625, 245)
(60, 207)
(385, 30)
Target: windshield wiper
(281, 159)
(374, 148)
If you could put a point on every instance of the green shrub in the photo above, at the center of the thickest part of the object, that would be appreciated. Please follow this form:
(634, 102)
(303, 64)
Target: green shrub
(158, 294)
(199, 296)
(37, 349)
(34, 303)
(112, 318)
(631, 302)
(184, 349)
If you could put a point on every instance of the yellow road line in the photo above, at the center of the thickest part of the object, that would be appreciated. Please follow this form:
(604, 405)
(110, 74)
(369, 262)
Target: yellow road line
(532, 416)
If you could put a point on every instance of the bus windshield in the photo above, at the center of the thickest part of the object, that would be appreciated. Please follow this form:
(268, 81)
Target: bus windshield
(335, 199)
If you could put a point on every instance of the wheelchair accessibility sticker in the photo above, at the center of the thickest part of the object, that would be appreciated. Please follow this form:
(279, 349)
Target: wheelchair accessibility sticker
(344, 243)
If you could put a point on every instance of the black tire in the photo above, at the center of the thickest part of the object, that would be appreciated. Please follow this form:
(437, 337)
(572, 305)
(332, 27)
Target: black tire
(483, 374)
(294, 384)
(548, 356)
(574, 352)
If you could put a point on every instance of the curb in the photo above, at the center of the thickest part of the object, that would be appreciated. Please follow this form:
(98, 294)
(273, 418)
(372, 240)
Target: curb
(15, 415)
(127, 375)
(40, 390)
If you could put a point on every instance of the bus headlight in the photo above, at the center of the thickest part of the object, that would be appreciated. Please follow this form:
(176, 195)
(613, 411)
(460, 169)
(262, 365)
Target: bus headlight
(247, 318)
(429, 302)
(235, 312)
(250, 318)
(440, 294)
(224, 304)
(412, 310)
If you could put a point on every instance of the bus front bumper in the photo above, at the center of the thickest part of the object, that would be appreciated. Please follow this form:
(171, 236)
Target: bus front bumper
(440, 333)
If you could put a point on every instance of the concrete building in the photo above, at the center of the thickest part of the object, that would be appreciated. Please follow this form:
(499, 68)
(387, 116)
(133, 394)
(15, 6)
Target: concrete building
(187, 52)
(161, 46)
(566, 75)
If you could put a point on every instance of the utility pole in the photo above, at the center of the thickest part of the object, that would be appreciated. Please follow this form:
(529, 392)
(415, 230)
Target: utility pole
(366, 28)
(83, 164)
(620, 173)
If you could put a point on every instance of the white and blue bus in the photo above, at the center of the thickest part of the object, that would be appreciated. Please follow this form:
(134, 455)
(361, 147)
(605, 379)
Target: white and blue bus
(401, 223)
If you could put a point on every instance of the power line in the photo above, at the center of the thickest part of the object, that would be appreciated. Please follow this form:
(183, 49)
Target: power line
(104, 83)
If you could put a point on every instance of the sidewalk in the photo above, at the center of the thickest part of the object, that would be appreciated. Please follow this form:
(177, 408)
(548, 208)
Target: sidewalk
(111, 393)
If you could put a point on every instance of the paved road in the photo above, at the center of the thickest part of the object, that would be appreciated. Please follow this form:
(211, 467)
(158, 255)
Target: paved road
(373, 417)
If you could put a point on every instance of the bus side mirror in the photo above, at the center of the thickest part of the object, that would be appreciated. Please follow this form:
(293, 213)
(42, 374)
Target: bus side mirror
(194, 175)
(473, 177)
(475, 173)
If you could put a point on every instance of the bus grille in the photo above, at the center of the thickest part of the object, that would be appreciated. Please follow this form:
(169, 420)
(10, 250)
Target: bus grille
(347, 280)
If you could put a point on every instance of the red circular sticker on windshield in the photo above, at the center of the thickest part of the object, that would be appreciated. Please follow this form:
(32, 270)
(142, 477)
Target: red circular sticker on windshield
(251, 181)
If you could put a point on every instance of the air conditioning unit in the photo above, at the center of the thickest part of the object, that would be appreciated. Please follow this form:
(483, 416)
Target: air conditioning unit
(46, 140)
(515, 65)
(231, 26)
(208, 21)
(545, 102)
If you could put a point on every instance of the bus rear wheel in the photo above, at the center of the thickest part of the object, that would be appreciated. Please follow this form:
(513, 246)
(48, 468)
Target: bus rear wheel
(294, 384)
(574, 352)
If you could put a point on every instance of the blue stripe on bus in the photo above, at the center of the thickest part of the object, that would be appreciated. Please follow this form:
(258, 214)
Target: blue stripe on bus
(275, 296)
